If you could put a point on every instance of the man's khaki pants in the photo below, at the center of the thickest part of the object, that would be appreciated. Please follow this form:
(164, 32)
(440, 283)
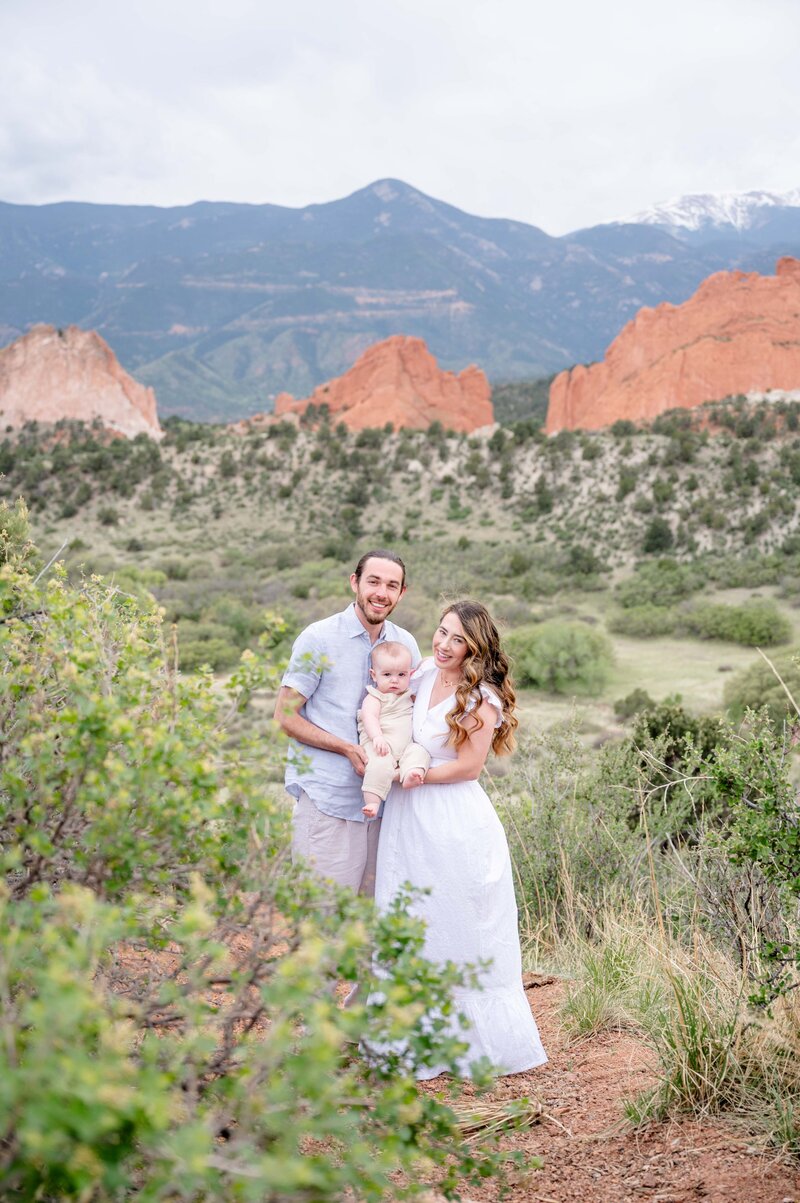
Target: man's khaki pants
(341, 849)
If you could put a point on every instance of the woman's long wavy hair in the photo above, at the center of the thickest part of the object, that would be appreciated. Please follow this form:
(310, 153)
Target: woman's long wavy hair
(485, 663)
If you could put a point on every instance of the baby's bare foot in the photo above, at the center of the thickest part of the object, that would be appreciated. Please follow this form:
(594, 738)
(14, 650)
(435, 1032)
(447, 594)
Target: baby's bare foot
(369, 811)
(413, 778)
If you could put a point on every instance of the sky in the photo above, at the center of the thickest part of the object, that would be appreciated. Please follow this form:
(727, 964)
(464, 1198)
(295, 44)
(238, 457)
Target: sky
(562, 114)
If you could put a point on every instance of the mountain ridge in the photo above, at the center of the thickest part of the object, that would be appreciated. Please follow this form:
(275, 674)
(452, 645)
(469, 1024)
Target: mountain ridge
(220, 306)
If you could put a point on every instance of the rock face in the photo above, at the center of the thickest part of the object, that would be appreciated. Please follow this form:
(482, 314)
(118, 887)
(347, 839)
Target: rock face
(51, 374)
(399, 381)
(739, 333)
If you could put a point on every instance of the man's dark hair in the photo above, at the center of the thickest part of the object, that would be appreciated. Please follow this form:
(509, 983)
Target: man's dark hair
(379, 555)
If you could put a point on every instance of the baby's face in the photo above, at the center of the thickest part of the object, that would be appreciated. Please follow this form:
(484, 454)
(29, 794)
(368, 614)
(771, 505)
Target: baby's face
(392, 675)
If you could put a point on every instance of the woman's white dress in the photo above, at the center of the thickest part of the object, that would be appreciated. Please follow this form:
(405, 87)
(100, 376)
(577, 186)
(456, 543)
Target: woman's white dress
(448, 838)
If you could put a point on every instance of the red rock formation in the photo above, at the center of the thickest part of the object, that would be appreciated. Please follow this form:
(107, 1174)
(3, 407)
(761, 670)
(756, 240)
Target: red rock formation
(51, 374)
(399, 381)
(739, 333)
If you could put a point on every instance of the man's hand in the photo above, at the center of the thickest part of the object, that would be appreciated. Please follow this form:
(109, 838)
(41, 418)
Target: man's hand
(357, 757)
(288, 718)
(381, 747)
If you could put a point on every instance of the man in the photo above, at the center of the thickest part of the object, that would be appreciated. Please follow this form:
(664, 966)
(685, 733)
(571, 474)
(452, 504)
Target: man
(319, 697)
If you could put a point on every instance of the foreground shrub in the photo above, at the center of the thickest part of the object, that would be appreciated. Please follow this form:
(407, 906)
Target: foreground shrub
(218, 1068)
(15, 540)
(560, 657)
(764, 835)
(169, 1027)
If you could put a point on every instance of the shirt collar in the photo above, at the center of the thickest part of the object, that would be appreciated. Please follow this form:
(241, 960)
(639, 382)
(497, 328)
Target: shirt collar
(353, 625)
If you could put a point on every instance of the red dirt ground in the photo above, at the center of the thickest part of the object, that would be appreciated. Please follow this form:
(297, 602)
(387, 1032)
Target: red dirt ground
(591, 1153)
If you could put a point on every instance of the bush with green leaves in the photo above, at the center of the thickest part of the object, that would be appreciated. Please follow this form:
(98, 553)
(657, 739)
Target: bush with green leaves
(754, 772)
(632, 704)
(658, 537)
(169, 1027)
(662, 582)
(758, 687)
(15, 538)
(580, 825)
(754, 623)
(560, 657)
(671, 748)
(645, 622)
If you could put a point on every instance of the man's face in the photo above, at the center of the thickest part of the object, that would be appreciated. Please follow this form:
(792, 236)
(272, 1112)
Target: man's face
(378, 591)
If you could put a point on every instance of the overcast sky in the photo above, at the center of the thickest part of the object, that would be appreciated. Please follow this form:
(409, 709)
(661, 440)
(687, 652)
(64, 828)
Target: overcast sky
(562, 114)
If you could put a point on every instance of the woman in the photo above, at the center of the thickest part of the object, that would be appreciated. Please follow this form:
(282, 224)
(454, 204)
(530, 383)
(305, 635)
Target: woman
(444, 835)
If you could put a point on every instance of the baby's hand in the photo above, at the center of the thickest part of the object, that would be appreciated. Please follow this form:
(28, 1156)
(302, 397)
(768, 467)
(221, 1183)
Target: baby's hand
(371, 809)
(381, 747)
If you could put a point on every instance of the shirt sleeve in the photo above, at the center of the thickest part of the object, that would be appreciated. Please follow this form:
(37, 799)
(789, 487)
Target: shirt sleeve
(306, 665)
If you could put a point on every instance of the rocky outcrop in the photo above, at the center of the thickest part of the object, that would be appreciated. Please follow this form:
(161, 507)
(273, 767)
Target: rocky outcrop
(739, 333)
(399, 381)
(51, 374)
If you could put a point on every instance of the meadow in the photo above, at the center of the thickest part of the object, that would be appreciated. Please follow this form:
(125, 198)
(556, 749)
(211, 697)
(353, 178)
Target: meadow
(651, 814)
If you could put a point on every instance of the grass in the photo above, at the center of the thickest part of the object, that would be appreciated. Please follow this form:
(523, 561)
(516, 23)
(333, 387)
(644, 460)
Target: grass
(688, 999)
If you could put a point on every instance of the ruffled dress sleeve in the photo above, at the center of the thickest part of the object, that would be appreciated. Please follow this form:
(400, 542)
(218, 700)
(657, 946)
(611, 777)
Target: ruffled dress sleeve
(489, 695)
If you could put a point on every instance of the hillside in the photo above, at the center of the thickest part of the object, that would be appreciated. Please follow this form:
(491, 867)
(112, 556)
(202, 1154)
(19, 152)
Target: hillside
(220, 525)
(220, 307)
(720, 494)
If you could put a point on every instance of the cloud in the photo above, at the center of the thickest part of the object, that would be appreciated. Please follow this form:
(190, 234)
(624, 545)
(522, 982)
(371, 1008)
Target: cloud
(561, 115)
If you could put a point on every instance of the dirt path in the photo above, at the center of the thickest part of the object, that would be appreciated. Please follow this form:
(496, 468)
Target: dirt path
(592, 1155)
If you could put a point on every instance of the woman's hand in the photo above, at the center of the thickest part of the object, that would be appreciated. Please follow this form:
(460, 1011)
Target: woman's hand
(471, 756)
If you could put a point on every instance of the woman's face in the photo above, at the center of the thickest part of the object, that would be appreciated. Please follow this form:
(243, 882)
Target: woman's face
(449, 644)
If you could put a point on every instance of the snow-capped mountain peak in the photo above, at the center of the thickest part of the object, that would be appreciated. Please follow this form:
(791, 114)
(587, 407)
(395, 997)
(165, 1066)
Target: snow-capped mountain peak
(741, 210)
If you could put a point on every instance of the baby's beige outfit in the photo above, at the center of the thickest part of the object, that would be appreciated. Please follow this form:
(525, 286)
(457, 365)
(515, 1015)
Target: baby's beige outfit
(395, 720)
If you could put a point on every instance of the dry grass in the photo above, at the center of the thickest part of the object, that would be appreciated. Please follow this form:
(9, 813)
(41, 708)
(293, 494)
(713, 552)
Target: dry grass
(689, 1000)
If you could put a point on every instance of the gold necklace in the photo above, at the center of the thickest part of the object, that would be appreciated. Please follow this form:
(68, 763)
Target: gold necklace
(447, 684)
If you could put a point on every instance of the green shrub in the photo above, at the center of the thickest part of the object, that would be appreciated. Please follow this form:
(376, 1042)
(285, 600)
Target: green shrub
(633, 702)
(644, 622)
(658, 537)
(169, 1020)
(757, 687)
(214, 651)
(755, 623)
(745, 571)
(576, 831)
(627, 482)
(560, 657)
(109, 790)
(15, 542)
(660, 583)
(764, 835)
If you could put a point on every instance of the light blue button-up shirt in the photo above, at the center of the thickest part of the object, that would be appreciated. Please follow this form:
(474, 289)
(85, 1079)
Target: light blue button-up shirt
(329, 666)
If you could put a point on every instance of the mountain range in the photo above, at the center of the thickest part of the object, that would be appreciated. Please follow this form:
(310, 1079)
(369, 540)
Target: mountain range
(221, 306)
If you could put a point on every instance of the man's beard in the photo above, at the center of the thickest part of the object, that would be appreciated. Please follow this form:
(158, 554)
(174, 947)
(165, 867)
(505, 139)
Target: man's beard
(374, 620)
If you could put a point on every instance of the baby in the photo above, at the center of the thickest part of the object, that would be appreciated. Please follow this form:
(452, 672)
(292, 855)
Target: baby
(384, 726)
